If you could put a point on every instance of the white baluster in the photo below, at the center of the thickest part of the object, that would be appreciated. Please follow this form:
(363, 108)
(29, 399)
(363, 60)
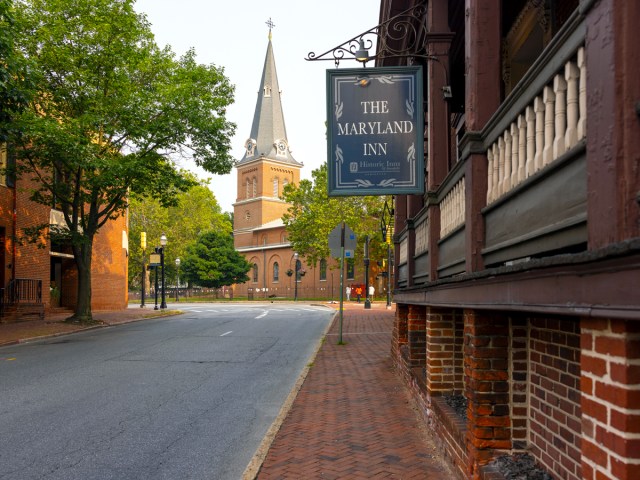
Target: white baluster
(538, 107)
(582, 94)
(501, 188)
(531, 140)
(548, 97)
(571, 75)
(490, 174)
(496, 172)
(522, 147)
(515, 151)
(560, 92)
(506, 182)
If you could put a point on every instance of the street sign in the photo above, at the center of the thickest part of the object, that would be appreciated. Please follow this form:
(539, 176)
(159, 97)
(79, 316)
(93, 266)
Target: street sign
(350, 241)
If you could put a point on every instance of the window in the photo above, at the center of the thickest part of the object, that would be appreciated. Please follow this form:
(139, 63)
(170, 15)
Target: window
(298, 270)
(255, 186)
(323, 269)
(275, 187)
(248, 189)
(351, 269)
(255, 273)
(276, 272)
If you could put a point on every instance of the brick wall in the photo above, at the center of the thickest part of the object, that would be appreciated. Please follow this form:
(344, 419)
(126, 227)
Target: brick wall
(519, 368)
(444, 329)
(417, 336)
(610, 399)
(555, 425)
(486, 376)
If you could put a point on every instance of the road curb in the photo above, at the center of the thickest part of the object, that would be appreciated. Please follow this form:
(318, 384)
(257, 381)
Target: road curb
(252, 470)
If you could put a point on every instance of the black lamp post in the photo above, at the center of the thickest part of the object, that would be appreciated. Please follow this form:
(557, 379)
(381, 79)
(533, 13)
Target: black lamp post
(163, 243)
(297, 269)
(386, 225)
(143, 244)
(367, 301)
(178, 282)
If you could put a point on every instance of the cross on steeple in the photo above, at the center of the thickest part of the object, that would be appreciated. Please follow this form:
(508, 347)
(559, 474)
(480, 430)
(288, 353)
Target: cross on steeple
(270, 24)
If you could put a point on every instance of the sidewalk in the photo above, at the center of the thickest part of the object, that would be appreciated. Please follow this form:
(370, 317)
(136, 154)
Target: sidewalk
(353, 418)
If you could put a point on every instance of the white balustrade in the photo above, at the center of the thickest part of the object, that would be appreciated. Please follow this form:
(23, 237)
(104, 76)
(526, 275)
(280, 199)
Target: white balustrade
(552, 124)
(422, 237)
(452, 209)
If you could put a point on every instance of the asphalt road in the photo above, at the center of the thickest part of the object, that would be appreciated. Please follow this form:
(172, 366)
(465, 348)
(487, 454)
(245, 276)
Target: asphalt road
(186, 397)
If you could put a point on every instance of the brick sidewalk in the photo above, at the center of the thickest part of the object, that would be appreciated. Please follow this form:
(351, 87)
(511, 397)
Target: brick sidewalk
(353, 418)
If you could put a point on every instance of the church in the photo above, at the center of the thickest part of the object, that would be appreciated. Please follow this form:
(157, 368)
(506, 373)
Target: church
(259, 233)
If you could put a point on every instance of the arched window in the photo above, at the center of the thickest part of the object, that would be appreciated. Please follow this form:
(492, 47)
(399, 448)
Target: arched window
(275, 187)
(351, 269)
(255, 186)
(248, 188)
(323, 269)
(276, 272)
(255, 273)
(285, 182)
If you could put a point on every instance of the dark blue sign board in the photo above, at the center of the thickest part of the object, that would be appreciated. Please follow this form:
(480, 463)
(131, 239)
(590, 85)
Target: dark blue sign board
(376, 132)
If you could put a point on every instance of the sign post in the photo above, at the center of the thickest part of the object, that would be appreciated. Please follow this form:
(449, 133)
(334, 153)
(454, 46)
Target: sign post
(342, 242)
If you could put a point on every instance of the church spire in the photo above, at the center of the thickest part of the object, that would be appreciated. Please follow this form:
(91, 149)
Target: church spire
(268, 137)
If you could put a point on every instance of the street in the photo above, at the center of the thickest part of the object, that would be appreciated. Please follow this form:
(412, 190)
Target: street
(185, 397)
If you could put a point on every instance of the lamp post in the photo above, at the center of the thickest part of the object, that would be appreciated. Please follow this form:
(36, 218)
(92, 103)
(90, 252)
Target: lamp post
(163, 243)
(178, 281)
(367, 301)
(297, 269)
(143, 245)
(386, 225)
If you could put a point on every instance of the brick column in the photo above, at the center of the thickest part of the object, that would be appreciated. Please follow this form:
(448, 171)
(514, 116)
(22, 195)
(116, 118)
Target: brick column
(417, 336)
(444, 351)
(610, 383)
(486, 377)
(399, 333)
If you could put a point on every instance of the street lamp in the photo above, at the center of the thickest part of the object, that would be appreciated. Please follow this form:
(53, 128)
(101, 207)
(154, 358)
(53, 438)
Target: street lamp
(297, 268)
(143, 245)
(178, 282)
(163, 243)
(367, 301)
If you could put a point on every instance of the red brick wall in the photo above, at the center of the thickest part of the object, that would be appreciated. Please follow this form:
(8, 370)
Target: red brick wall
(519, 365)
(555, 418)
(610, 399)
(444, 351)
(417, 336)
(486, 376)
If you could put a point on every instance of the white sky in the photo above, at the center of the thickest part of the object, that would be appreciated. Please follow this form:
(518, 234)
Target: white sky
(234, 35)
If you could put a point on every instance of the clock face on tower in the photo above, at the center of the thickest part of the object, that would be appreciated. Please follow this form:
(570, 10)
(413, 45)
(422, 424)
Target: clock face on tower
(281, 147)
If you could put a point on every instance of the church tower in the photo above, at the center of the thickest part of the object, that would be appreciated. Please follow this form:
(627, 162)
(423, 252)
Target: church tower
(266, 167)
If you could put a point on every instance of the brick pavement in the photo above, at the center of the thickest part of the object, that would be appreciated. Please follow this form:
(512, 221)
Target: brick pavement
(353, 418)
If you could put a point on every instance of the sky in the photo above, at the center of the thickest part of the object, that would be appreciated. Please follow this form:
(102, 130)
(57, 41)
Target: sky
(234, 35)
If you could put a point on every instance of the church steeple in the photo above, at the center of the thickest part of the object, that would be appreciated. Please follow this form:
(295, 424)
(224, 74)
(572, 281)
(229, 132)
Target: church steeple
(268, 138)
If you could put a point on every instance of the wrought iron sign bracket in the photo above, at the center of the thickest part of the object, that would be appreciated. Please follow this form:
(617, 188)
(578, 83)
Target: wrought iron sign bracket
(401, 36)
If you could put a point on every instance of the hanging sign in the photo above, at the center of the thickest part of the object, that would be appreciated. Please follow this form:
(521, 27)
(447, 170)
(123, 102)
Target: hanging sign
(375, 131)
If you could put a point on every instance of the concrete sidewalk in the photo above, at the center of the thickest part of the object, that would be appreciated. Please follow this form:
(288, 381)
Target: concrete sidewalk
(352, 417)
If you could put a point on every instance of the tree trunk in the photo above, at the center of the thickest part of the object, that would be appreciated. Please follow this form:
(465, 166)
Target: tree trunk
(82, 255)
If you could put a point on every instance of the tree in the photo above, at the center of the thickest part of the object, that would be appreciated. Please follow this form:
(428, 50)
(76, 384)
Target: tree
(213, 261)
(110, 111)
(195, 212)
(313, 214)
(15, 74)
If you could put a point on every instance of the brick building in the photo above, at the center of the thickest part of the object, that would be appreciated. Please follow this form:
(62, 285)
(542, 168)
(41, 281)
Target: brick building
(30, 271)
(259, 233)
(518, 290)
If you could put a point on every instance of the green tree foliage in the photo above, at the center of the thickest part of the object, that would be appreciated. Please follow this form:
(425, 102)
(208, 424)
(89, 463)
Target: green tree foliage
(313, 215)
(111, 110)
(15, 74)
(195, 212)
(213, 262)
